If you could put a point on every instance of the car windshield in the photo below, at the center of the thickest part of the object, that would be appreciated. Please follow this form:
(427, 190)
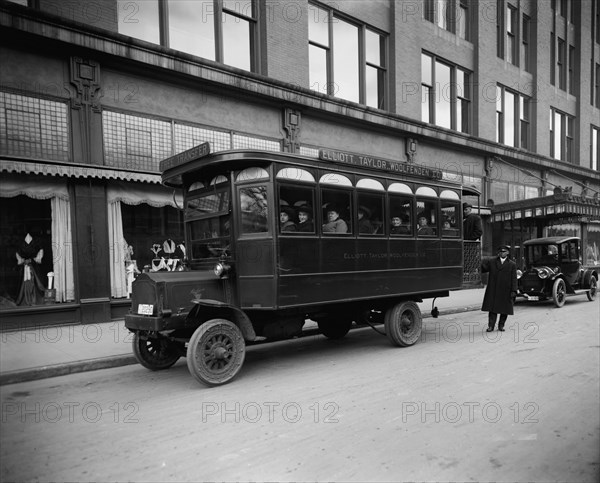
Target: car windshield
(542, 254)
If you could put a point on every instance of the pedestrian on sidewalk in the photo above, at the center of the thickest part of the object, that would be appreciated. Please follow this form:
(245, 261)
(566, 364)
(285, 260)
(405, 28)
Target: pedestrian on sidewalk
(501, 289)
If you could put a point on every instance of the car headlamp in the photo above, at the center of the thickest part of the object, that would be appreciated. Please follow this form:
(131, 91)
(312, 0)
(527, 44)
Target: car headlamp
(221, 269)
(519, 274)
(543, 272)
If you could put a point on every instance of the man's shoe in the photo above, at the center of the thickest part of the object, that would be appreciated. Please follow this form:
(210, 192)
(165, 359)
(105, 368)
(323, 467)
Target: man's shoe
(489, 330)
(501, 330)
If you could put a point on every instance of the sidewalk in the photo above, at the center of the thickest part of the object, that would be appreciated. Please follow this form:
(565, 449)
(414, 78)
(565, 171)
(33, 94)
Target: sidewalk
(52, 351)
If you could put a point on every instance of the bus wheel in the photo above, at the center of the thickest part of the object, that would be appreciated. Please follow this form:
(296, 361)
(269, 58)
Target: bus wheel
(403, 323)
(154, 353)
(216, 352)
(334, 329)
(559, 292)
(591, 293)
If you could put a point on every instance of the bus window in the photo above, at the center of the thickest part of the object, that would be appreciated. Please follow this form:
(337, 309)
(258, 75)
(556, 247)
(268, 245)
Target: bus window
(297, 201)
(449, 219)
(426, 218)
(253, 209)
(208, 227)
(401, 209)
(336, 212)
(370, 214)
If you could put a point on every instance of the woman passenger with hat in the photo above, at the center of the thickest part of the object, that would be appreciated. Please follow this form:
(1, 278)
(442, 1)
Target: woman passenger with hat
(305, 222)
(286, 215)
(334, 223)
(364, 224)
(501, 289)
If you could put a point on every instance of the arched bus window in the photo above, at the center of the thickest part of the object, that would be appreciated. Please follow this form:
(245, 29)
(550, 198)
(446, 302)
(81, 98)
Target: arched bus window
(369, 210)
(427, 212)
(296, 201)
(197, 185)
(252, 174)
(218, 180)
(401, 210)
(296, 174)
(336, 204)
(450, 203)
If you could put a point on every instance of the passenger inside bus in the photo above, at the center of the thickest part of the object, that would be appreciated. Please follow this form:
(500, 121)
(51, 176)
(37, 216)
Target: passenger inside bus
(423, 228)
(334, 223)
(286, 219)
(364, 222)
(305, 219)
(397, 228)
(448, 229)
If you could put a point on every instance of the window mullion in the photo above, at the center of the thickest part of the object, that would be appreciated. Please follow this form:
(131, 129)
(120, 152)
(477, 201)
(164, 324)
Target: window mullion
(218, 18)
(362, 66)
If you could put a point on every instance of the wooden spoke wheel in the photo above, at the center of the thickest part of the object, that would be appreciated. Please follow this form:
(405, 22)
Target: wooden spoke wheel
(559, 292)
(591, 293)
(155, 353)
(216, 352)
(403, 324)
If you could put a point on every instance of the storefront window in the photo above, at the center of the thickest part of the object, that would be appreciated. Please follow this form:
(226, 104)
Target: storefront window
(155, 236)
(25, 251)
(563, 229)
(592, 249)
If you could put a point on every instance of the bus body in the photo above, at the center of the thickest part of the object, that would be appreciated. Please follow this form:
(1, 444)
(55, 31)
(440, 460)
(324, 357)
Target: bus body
(250, 276)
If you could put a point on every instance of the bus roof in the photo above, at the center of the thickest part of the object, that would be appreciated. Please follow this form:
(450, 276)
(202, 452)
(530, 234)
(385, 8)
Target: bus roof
(200, 158)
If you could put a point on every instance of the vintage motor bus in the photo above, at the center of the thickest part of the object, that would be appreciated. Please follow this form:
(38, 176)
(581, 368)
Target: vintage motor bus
(274, 239)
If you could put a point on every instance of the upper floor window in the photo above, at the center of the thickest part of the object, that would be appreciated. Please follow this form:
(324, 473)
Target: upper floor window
(446, 94)
(346, 59)
(596, 87)
(526, 43)
(220, 30)
(595, 151)
(561, 135)
(563, 63)
(512, 118)
(450, 15)
(511, 35)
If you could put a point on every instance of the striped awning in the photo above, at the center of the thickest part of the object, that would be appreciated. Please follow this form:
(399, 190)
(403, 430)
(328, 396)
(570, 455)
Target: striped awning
(563, 205)
(75, 171)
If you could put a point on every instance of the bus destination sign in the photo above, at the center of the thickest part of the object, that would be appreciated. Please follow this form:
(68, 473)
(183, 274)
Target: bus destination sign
(194, 153)
(379, 164)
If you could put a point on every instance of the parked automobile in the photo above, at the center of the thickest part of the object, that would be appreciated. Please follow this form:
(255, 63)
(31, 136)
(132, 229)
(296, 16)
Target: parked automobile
(553, 269)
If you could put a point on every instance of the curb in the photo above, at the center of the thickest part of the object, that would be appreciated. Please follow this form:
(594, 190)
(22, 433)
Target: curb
(55, 370)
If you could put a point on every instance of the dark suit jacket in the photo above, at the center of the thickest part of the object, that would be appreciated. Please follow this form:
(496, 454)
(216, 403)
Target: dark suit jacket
(472, 227)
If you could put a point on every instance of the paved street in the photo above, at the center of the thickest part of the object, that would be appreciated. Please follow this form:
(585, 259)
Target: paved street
(461, 405)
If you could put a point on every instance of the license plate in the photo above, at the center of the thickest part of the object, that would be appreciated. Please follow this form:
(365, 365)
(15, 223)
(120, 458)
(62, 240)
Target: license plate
(145, 309)
(533, 297)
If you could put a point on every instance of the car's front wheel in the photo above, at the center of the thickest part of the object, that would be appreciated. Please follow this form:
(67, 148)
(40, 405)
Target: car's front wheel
(559, 292)
(591, 293)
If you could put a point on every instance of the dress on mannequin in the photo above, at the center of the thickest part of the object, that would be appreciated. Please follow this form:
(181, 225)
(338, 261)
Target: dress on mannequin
(29, 257)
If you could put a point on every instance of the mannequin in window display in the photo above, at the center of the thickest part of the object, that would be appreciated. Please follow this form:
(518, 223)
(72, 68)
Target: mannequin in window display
(29, 258)
(131, 268)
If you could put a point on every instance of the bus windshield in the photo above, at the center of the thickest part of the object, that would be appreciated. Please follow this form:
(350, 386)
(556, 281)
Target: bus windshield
(208, 224)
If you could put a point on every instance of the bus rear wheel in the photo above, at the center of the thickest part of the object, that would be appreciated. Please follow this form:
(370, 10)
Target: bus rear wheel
(591, 293)
(334, 329)
(154, 353)
(403, 324)
(216, 352)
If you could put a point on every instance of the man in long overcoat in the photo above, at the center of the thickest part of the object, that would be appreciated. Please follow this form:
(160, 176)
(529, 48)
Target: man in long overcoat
(501, 289)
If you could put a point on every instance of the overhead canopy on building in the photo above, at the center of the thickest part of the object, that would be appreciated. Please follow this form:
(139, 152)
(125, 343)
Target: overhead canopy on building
(75, 171)
(559, 205)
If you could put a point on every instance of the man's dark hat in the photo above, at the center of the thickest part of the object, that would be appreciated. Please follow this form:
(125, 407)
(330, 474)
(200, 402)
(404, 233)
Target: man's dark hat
(504, 247)
(365, 210)
(333, 207)
(467, 205)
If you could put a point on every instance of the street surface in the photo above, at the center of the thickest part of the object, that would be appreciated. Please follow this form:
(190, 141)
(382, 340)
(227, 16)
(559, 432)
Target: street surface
(460, 405)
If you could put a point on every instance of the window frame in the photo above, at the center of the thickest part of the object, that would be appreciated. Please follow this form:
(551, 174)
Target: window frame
(363, 64)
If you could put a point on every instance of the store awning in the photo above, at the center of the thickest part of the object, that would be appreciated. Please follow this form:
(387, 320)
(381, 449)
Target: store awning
(563, 205)
(75, 171)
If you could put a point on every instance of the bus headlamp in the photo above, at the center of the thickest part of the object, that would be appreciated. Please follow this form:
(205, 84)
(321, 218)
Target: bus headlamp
(221, 269)
(519, 274)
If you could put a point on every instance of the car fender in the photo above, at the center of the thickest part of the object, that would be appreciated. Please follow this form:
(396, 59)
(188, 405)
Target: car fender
(587, 276)
(207, 309)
